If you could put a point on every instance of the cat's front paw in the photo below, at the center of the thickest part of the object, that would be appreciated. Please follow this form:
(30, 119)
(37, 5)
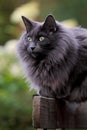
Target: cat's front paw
(47, 92)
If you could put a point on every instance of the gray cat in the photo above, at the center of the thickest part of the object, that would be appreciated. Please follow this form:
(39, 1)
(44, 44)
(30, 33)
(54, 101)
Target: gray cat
(55, 59)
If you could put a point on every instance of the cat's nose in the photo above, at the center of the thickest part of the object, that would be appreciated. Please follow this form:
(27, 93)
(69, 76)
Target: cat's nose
(32, 48)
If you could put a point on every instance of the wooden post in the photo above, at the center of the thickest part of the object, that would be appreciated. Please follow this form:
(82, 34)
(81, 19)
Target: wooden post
(50, 113)
(43, 112)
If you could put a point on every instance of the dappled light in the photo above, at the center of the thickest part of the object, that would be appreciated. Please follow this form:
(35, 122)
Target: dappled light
(30, 10)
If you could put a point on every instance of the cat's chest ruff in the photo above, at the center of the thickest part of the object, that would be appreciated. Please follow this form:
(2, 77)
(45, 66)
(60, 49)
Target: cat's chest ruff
(42, 69)
(47, 72)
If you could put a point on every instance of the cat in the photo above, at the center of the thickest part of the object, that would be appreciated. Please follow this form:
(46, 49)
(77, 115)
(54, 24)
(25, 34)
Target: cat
(54, 59)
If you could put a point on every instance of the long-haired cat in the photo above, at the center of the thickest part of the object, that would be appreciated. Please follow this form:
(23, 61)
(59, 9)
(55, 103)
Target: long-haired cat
(55, 59)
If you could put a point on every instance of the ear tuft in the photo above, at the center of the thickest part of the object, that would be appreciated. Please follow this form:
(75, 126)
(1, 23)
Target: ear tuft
(28, 23)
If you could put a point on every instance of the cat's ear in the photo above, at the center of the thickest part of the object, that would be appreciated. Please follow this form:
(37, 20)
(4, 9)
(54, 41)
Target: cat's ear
(50, 24)
(28, 24)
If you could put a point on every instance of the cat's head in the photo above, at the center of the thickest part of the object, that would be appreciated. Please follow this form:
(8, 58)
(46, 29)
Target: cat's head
(40, 38)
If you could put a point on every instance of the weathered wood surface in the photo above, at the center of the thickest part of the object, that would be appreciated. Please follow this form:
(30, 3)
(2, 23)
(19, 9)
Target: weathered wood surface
(53, 113)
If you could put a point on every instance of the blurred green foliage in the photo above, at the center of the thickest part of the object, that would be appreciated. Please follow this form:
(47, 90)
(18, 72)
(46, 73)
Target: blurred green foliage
(65, 9)
(7, 28)
(15, 97)
(61, 9)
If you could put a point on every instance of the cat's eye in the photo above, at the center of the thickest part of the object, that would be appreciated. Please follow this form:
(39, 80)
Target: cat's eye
(29, 39)
(41, 38)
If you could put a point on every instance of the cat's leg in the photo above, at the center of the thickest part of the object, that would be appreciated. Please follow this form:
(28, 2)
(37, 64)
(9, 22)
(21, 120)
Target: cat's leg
(46, 92)
(62, 93)
(79, 93)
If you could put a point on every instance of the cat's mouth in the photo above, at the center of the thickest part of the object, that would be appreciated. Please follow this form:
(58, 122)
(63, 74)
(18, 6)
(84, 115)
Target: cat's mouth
(34, 55)
(37, 55)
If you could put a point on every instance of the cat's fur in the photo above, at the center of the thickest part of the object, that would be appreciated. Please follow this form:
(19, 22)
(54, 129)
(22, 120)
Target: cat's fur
(57, 65)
